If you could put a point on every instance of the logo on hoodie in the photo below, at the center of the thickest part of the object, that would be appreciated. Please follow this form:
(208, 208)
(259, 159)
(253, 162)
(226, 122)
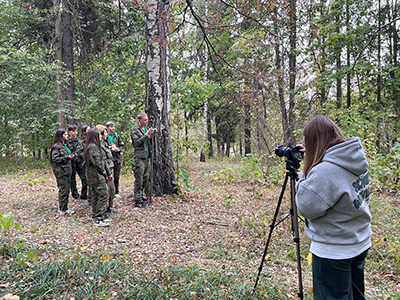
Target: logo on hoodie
(361, 186)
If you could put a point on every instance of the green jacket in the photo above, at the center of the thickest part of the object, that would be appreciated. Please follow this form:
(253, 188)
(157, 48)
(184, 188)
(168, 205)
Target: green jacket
(140, 142)
(107, 157)
(95, 170)
(60, 161)
(119, 144)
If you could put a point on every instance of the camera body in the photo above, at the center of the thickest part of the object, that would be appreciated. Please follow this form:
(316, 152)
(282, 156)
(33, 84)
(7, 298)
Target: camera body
(292, 153)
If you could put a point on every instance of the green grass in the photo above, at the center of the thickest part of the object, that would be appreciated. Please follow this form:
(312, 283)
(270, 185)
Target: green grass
(82, 277)
(11, 165)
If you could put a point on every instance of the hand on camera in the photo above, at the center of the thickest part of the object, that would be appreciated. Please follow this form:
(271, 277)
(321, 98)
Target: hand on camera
(302, 147)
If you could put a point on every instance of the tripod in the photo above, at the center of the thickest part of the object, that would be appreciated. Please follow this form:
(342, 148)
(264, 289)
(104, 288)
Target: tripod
(291, 172)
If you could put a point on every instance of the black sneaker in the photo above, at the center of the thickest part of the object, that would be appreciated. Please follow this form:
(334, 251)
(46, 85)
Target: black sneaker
(141, 204)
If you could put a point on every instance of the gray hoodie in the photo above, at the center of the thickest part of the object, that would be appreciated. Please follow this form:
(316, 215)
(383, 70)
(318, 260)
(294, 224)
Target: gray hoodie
(334, 199)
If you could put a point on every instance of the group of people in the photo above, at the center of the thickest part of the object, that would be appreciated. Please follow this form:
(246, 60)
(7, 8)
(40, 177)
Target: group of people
(96, 157)
(332, 193)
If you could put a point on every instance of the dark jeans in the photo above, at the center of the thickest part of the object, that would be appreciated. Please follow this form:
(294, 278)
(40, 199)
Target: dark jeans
(339, 279)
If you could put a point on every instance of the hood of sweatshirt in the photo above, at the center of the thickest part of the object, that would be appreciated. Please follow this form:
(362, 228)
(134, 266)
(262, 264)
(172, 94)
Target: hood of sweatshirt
(349, 155)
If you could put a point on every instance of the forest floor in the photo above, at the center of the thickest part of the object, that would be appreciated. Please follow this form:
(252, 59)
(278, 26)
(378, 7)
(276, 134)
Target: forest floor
(220, 226)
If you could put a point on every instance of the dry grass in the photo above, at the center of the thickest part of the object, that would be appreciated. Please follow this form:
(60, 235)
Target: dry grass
(221, 225)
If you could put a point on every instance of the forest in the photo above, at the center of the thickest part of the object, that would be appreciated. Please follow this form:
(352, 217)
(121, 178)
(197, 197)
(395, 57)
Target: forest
(224, 82)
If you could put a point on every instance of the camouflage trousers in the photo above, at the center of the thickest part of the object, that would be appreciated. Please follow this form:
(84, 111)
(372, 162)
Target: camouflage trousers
(111, 194)
(63, 184)
(140, 168)
(98, 200)
(78, 168)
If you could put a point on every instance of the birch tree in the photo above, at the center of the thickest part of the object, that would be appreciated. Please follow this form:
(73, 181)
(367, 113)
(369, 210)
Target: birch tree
(158, 93)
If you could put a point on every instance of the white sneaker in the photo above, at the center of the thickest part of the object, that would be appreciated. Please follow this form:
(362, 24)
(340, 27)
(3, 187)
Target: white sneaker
(100, 223)
(69, 211)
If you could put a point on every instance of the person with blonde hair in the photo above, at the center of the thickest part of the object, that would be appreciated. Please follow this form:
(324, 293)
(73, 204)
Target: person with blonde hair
(333, 196)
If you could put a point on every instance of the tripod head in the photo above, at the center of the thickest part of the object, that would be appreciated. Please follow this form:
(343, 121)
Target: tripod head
(292, 167)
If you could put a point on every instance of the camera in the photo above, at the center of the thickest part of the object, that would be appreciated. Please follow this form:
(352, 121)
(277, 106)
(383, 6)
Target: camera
(291, 153)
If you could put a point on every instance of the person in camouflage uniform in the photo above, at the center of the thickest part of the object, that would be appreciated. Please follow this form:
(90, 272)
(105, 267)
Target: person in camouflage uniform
(73, 142)
(80, 168)
(115, 143)
(109, 165)
(141, 139)
(96, 176)
(60, 159)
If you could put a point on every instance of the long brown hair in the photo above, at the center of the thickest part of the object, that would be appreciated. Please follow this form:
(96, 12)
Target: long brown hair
(58, 140)
(320, 134)
(92, 140)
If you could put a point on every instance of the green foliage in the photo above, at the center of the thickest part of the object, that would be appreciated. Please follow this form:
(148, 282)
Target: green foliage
(253, 170)
(7, 222)
(14, 247)
(385, 170)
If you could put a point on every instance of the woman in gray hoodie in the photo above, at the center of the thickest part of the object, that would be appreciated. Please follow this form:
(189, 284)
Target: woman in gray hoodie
(333, 196)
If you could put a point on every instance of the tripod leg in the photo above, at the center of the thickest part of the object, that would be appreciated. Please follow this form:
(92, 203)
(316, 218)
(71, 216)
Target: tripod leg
(272, 226)
(295, 228)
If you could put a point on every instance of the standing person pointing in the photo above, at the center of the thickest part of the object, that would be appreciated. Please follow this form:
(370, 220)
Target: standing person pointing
(333, 196)
(141, 140)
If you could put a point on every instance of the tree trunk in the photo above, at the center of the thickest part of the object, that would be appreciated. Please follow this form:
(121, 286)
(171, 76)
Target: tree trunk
(279, 75)
(209, 132)
(68, 60)
(338, 67)
(58, 57)
(292, 70)
(205, 106)
(158, 93)
(348, 79)
(247, 130)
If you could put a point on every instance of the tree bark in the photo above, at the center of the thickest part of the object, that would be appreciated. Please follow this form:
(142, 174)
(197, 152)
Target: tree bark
(279, 76)
(338, 68)
(348, 78)
(247, 130)
(292, 70)
(58, 57)
(205, 106)
(68, 60)
(158, 93)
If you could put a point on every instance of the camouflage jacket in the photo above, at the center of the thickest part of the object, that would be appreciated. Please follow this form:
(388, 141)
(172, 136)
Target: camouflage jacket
(117, 141)
(107, 157)
(94, 166)
(73, 144)
(60, 161)
(80, 146)
(140, 142)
